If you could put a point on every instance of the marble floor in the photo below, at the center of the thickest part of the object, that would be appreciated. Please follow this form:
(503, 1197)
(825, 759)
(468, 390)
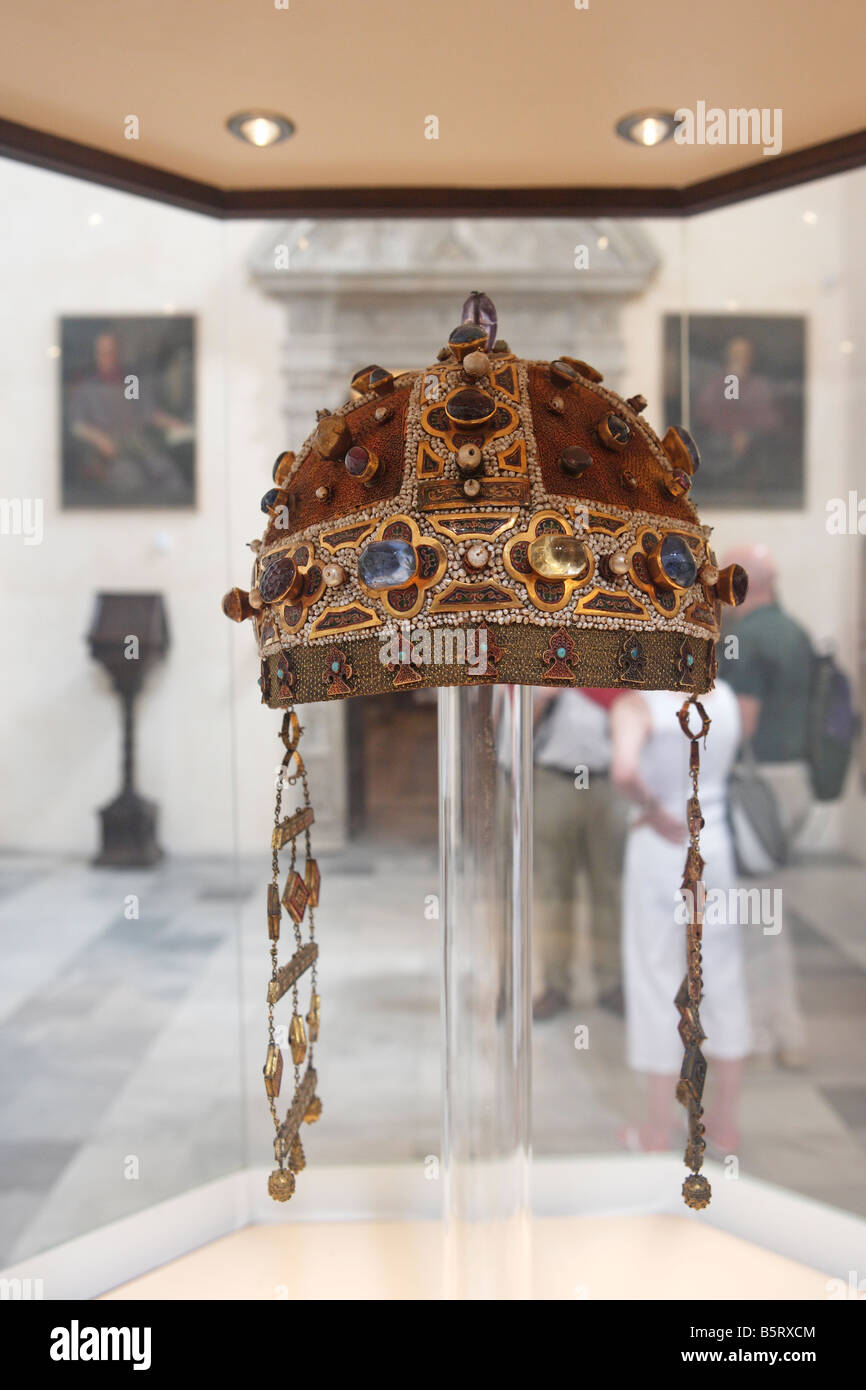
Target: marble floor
(132, 1022)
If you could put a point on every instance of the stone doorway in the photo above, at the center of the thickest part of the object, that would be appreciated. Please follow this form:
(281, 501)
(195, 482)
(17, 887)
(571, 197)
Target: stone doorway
(392, 769)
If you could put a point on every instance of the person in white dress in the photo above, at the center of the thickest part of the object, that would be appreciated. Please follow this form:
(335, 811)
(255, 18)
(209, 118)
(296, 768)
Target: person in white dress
(650, 762)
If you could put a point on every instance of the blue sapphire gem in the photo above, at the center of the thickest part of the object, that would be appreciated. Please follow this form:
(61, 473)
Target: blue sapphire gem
(387, 564)
(678, 562)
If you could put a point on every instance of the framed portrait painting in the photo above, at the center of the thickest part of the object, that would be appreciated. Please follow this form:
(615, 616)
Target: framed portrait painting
(128, 411)
(744, 376)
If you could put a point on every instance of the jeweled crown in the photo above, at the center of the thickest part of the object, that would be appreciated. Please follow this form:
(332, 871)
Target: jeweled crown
(516, 511)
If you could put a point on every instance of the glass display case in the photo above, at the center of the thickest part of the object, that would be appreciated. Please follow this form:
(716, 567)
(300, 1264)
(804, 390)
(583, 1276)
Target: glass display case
(135, 1129)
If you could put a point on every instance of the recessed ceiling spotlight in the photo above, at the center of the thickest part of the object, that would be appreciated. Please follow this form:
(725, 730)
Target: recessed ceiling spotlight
(810, 218)
(647, 127)
(260, 128)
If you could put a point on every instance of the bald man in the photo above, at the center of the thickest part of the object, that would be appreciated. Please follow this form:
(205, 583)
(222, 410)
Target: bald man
(770, 669)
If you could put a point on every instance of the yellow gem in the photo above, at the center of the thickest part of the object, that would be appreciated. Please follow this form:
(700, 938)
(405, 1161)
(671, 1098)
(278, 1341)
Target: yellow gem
(554, 556)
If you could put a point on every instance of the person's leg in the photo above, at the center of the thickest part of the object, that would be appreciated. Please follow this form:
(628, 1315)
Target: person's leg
(722, 1119)
(725, 1013)
(660, 1099)
(776, 1004)
(654, 960)
(603, 839)
(554, 870)
(778, 1025)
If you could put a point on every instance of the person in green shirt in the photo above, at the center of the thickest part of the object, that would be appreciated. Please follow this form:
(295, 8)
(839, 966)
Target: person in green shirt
(769, 666)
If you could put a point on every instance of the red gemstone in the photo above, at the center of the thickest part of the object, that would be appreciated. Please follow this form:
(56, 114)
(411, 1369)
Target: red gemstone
(739, 583)
(470, 406)
(356, 460)
(575, 460)
(277, 579)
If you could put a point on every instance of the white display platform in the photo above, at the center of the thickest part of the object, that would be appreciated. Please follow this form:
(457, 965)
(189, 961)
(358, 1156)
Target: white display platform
(614, 1257)
(603, 1228)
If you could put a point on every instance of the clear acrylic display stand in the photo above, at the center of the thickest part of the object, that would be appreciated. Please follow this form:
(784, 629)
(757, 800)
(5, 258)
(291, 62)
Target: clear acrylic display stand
(485, 851)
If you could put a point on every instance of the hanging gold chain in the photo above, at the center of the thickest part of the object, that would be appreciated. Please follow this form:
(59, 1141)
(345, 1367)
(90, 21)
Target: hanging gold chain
(299, 898)
(690, 1088)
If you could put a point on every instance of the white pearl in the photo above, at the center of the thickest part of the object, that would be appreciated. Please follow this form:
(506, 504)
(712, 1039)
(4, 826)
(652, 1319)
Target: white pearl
(476, 364)
(618, 562)
(477, 556)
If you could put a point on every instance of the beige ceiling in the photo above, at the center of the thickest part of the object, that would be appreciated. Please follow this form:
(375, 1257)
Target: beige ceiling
(526, 91)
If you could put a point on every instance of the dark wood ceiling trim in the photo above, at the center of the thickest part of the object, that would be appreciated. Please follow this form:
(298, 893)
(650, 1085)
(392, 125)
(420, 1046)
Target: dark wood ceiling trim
(776, 172)
(62, 156)
(453, 202)
(127, 175)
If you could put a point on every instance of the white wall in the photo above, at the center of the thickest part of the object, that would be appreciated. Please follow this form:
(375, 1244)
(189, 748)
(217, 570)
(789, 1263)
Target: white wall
(59, 720)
